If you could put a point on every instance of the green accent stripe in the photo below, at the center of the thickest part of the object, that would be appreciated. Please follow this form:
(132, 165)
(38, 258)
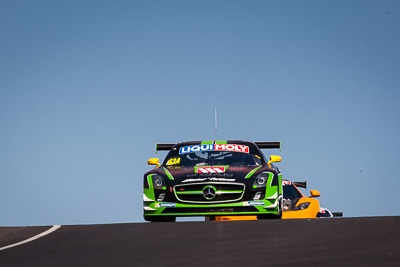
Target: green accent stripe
(252, 172)
(149, 192)
(270, 178)
(219, 191)
(259, 212)
(168, 174)
(150, 181)
(221, 142)
(259, 209)
(207, 142)
(189, 192)
(208, 166)
(271, 190)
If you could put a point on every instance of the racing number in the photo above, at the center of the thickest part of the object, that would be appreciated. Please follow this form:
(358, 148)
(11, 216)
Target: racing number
(174, 161)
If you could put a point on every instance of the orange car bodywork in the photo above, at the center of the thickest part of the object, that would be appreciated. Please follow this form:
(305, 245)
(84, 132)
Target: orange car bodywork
(310, 212)
(235, 218)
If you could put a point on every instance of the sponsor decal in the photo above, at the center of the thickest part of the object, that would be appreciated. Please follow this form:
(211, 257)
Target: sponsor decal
(216, 174)
(221, 179)
(174, 161)
(175, 167)
(214, 147)
(194, 180)
(194, 175)
(232, 147)
(196, 148)
(286, 183)
(253, 203)
(162, 205)
(209, 169)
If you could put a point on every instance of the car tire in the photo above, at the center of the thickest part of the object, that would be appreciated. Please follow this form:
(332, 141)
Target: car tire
(209, 218)
(269, 216)
(160, 218)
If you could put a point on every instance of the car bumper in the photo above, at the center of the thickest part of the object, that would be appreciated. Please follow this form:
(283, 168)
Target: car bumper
(237, 208)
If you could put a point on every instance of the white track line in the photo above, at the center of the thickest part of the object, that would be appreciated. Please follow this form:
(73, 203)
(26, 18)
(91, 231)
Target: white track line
(52, 229)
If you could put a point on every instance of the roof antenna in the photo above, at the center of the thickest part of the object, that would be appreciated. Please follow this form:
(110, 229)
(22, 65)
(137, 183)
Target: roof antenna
(216, 128)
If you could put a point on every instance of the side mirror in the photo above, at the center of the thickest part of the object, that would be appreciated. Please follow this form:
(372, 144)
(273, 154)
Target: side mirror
(315, 193)
(274, 158)
(154, 161)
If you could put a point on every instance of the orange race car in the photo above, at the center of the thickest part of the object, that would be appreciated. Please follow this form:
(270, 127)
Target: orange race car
(294, 205)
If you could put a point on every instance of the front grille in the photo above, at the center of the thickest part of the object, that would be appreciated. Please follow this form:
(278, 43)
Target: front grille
(220, 192)
(210, 210)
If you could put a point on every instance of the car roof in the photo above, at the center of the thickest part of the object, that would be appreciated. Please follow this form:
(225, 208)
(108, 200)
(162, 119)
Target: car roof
(215, 142)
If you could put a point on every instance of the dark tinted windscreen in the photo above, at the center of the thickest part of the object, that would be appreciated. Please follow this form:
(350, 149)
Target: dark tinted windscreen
(214, 158)
(290, 192)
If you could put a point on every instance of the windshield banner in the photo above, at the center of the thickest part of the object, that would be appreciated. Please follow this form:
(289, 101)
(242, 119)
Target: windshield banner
(214, 147)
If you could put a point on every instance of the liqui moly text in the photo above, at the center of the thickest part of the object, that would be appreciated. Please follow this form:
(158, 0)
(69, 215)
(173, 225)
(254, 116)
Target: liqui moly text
(214, 147)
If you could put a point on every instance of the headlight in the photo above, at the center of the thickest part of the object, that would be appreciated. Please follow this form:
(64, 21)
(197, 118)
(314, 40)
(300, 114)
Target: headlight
(302, 206)
(261, 179)
(158, 182)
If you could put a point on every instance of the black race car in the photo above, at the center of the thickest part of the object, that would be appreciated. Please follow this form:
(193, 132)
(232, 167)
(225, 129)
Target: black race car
(212, 178)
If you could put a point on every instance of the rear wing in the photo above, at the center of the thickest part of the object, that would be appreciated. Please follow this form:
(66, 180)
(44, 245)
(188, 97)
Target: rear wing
(160, 147)
(268, 145)
(300, 184)
(261, 145)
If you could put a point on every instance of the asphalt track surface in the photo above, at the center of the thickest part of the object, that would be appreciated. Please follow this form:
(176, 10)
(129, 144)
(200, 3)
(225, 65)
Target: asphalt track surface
(369, 241)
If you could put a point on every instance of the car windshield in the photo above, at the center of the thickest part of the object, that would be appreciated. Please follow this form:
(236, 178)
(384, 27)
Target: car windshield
(210, 158)
(290, 192)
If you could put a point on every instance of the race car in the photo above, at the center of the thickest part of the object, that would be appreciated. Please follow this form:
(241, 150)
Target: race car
(295, 204)
(210, 178)
(325, 213)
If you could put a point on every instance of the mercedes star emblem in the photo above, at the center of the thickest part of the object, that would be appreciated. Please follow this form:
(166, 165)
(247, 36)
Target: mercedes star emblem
(209, 192)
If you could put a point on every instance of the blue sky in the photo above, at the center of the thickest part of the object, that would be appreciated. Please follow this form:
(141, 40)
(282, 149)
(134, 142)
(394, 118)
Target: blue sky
(88, 87)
